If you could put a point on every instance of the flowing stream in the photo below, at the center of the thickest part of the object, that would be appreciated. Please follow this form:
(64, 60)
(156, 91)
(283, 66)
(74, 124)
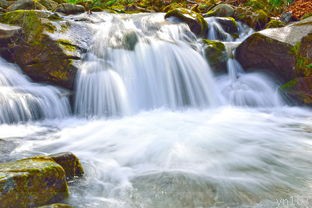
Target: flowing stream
(155, 127)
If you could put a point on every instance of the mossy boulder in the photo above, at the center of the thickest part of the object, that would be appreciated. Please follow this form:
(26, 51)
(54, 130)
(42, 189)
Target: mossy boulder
(40, 50)
(194, 20)
(285, 52)
(26, 5)
(216, 55)
(32, 182)
(221, 10)
(49, 4)
(300, 89)
(255, 19)
(70, 164)
(67, 8)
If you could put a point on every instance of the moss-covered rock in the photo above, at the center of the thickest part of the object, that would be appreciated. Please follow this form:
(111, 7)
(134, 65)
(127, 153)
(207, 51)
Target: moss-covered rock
(49, 4)
(275, 24)
(26, 5)
(70, 163)
(42, 56)
(221, 10)
(216, 55)
(195, 21)
(300, 89)
(228, 24)
(67, 8)
(255, 19)
(32, 182)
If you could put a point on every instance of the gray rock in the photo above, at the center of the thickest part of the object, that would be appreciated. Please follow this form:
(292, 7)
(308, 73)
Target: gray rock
(67, 8)
(26, 5)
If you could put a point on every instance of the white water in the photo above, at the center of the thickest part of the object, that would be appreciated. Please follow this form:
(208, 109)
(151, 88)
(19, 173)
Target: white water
(182, 138)
(23, 101)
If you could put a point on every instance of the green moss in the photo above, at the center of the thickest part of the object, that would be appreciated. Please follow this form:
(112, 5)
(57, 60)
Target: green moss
(275, 24)
(31, 22)
(67, 45)
(216, 55)
(302, 63)
(289, 85)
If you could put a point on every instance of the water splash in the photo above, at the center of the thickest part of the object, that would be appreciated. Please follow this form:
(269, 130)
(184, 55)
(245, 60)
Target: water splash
(22, 100)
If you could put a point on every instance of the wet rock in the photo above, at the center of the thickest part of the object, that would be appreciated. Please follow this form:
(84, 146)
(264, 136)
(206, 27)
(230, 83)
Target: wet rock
(48, 48)
(228, 24)
(70, 164)
(7, 32)
(274, 49)
(58, 205)
(26, 5)
(195, 21)
(299, 89)
(216, 55)
(32, 182)
(67, 8)
(221, 10)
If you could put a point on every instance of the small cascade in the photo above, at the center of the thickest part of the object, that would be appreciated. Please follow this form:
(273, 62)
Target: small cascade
(143, 63)
(22, 100)
(248, 89)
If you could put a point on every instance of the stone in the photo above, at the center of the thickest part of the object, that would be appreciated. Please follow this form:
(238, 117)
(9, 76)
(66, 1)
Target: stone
(70, 164)
(274, 50)
(8, 31)
(32, 182)
(47, 49)
(67, 8)
(255, 19)
(195, 21)
(26, 5)
(4, 4)
(275, 24)
(216, 55)
(300, 90)
(49, 4)
(221, 10)
(228, 24)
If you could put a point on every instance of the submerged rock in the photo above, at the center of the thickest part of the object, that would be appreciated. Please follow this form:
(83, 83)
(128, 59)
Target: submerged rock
(195, 21)
(47, 48)
(32, 182)
(67, 8)
(286, 52)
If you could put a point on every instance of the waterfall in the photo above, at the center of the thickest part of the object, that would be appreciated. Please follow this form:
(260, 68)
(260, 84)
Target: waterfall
(142, 63)
(22, 100)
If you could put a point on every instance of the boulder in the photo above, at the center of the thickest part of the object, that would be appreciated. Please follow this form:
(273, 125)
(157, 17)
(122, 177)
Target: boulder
(228, 24)
(26, 5)
(4, 4)
(67, 8)
(195, 21)
(221, 10)
(255, 19)
(47, 49)
(216, 55)
(285, 52)
(32, 182)
(70, 164)
(49, 4)
(7, 32)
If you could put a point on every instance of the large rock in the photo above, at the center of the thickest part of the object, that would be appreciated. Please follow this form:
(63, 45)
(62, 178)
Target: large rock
(274, 49)
(221, 10)
(26, 5)
(32, 182)
(57, 205)
(195, 21)
(285, 52)
(49, 4)
(48, 48)
(67, 8)
(255, 19)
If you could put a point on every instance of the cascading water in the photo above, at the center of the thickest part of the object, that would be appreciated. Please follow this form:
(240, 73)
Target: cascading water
(22, 100)
(211, 154)
(148, 64)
